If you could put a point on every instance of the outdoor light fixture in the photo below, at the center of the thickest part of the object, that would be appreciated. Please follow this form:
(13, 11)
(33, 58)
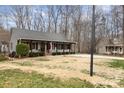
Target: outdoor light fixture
(92, 40)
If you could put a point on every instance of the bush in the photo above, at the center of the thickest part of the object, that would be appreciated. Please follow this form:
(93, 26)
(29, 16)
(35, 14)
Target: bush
(62, 53)
(54, 53)
(22, 49)
(41, 53)
(13, 54)
(35, 54)
(72, 52)
(57, 53)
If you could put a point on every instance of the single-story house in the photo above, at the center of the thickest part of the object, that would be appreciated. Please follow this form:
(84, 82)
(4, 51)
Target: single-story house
(114, 49)
(40, 41)
(110, 47)
(4, 41)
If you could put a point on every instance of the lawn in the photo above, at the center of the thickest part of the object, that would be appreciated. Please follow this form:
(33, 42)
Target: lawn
(117, 64)
(2, 58)
(18, 79)
(61, 71)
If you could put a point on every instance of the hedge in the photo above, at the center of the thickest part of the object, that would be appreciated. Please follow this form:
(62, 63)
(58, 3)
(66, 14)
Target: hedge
(62, 53)
(35, 54)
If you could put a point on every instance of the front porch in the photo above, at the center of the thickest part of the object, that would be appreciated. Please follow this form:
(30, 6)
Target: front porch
(48, 47)
(114, 49)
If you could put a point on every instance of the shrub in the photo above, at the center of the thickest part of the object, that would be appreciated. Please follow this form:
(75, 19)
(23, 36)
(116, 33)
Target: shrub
(54, 53)
(72, 52)
(35, 54)
(13, 54)
(22, 49)
(62, 53)
(41, 53)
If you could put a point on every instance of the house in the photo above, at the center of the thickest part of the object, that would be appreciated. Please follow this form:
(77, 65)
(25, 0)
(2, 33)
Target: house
(110, 47)
(4, 41)
(37, 41)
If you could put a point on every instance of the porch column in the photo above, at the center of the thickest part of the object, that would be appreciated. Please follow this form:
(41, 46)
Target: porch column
(106, 49)
(31, 45)
(74, 47)
(20, 41)
(51, 47)
(121, 49)
(114, 49)
(39, 44)
(63, 48)
(69, 48)
(56, 47)
(45, 48)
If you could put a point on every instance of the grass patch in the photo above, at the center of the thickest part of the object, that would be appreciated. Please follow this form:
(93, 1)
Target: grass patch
(121, 83)
(65, 62)
(23, 63)
(97, 74)
(3, 58)
(103, 86)
(56, 67)
(43, 59)
(85, 71)
(117, 64)
(17, 78)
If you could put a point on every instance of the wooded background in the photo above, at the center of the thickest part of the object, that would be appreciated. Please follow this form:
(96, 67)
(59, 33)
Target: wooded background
(74, 22)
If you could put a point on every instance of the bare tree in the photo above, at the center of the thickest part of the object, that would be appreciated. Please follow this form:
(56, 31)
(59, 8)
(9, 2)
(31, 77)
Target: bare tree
(55, 12)
(39, 20)
(49, 17)
(17, 13)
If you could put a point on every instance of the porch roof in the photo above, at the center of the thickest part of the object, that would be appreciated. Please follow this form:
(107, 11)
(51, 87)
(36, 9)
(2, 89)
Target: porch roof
(118, 45)
(37, 35)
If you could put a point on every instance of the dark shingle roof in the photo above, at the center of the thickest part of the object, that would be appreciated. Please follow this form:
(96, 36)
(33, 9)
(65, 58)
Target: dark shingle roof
(37, 35)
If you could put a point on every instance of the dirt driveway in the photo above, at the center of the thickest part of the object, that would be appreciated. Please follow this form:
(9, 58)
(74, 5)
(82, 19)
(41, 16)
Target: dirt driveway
(70, 66)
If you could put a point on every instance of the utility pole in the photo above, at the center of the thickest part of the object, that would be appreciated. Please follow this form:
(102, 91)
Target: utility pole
(123, 28)
(92, 40)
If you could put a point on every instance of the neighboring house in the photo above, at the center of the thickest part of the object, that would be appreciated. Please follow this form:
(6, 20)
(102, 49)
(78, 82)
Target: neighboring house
(4, 41)
(40, 41)
(110, 47)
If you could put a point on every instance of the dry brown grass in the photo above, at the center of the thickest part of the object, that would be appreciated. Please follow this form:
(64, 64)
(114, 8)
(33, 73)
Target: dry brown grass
(66, 67)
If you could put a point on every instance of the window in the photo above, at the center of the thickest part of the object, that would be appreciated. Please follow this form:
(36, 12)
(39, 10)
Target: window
(63, 46)
(112, 48)
(33, 46)
(36, 46)
(115, 48)
(69, 46)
